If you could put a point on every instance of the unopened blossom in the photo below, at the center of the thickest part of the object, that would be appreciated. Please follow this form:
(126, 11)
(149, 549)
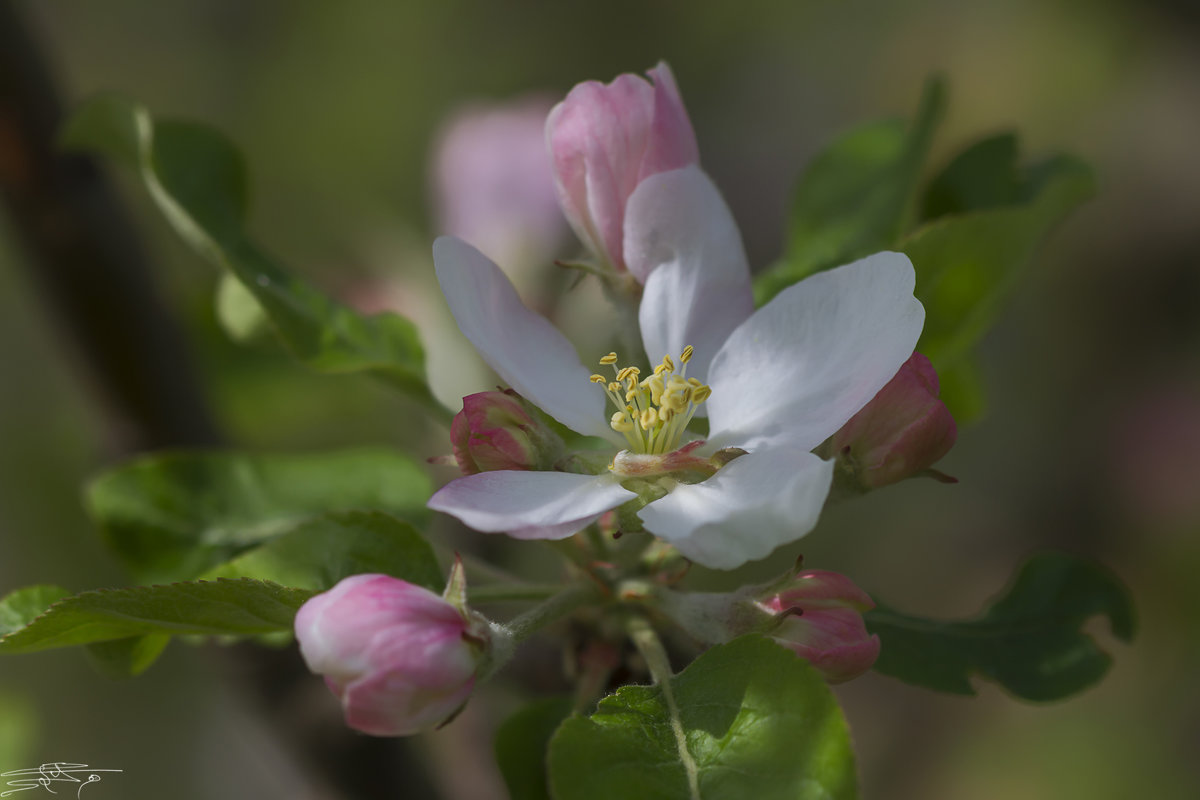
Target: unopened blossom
(499, 430)
(400, 658)
(775, 383)
(902, 432)
(604, 140)
(821, 621)
(492, 184)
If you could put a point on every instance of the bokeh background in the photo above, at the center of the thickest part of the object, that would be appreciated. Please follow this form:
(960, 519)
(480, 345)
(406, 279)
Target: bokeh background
(1090, 443)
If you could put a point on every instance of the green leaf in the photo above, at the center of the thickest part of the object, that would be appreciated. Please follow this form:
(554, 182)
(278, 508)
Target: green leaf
(321, 552)
(521, 747)
(198, 180)
(967, 265)
(174, 516)
(199, 608)
(127, 658)
(239, 313)
(985, 175)
(1030, 641)
(856, 196)
(962, 390)
(759, 722)
(21, 607)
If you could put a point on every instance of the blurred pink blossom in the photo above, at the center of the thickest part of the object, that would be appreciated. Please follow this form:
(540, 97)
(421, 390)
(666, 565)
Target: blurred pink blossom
(492, 184)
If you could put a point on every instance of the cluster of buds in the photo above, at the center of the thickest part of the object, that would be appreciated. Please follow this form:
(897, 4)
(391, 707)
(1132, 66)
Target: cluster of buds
(402, 659)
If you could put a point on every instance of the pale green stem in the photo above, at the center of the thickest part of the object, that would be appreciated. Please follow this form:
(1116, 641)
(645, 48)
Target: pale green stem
(561, 604)
(505, 593)
(652, 650)
(506, 636)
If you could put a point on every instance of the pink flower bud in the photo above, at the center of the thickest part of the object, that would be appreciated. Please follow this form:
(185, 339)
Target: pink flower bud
(903, 431)
(828, 631)
(400, 658)
(604, 140)
(499, 430)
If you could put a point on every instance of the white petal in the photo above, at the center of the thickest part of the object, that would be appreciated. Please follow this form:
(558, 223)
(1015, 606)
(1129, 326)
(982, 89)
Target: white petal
(811, 358)
(530, 505)
(751, 506)
(523, 347)
(682, 242)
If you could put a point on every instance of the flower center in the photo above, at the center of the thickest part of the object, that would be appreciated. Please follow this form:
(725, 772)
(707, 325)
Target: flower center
(652, 413)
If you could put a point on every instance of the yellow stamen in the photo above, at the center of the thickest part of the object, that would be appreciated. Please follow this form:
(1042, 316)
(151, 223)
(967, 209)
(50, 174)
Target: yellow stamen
(653, 413)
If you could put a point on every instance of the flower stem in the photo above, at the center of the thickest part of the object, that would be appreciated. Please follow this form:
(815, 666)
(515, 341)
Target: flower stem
(566, 601)
(509, 593)
(650, 646)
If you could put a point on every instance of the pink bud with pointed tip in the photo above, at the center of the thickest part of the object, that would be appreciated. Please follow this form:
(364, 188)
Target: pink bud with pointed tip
(499, 430)
(902, 432)
(604, 140)
(828, 631)
(400, 658)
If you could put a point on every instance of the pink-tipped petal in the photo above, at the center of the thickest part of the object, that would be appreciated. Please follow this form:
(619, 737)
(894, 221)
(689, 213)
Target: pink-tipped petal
(530, 505)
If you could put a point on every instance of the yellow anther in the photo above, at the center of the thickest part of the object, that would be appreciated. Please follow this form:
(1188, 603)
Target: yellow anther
(629, 372)
(656, 389)
(653, 413)
(620, 422)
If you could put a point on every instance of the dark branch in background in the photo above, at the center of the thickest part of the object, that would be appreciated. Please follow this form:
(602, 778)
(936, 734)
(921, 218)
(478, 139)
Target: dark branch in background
(85, 257)
(84, 254)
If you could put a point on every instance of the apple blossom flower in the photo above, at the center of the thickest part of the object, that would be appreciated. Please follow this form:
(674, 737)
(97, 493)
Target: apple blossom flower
(902, 432)
(604, 140)
(775, 383)
(824, 623)
(400, 658)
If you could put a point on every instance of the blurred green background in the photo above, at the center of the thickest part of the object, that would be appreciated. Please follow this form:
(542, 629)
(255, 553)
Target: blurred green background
(1091, 441)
